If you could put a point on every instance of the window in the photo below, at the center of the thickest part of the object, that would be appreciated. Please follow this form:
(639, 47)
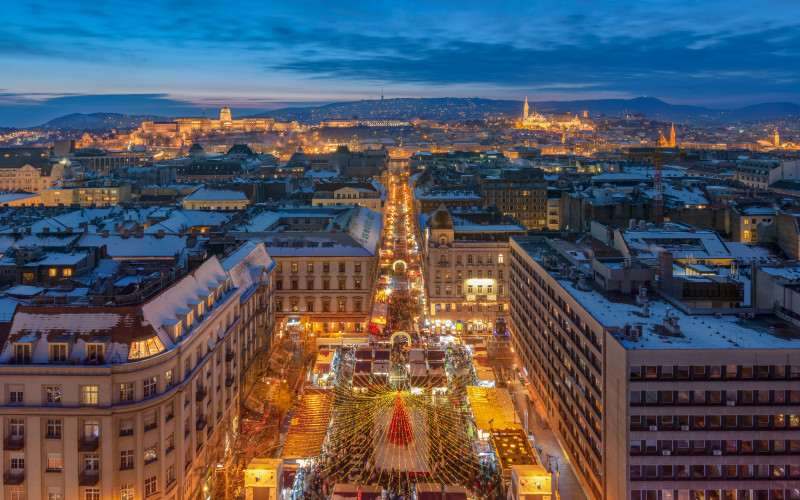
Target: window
(149, 387)
(294, 284)
(310, 267)
(279, 268)
(150, 486)
(52, 272)
(53, 462)
(326, 284)
(126, 391)
(150, 454)
(22, 353)
(278, 284)
(126, 492)
(294, 267)
(15, 395)
(17, 493)
(170, 475)
(357, 305)
(168, 378)
(357, 267)
(326, 267)
(341, 267)
(89, 395)
(53, 428)
(294, 306)
(67, 271)
(54, 494)
(357, 284)
(91, 462)
(58, 353)
(326, 306)
(126, 459)
(342, 305)
(52, 394)
(310, 306)
(92, 494)
(310, 284)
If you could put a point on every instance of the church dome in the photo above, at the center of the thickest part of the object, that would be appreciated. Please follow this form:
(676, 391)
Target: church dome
(441, 219)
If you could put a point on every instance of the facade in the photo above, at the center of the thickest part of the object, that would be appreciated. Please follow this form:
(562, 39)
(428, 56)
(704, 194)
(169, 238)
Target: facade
(756, 173)
(216, 199)
(28, 169)
(746, 222)
(464, 260)
(327, 266)
(651, 403)
(105, 194)
(521, 196)
(356, 194)
(127, 401)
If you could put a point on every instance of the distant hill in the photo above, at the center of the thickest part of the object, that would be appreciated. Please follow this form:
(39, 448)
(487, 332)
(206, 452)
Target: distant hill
(455, 108)
(449, 108)
(99, 121)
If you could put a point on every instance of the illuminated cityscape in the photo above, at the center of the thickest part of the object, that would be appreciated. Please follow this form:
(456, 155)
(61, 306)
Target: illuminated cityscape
(414, 251)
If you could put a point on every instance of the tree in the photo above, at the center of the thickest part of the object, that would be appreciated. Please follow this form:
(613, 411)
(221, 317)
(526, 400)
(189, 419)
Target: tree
(400, 432)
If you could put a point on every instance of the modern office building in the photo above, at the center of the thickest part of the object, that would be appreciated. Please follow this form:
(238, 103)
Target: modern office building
(648, 401)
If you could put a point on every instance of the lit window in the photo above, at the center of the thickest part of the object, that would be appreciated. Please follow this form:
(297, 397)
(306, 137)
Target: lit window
(89, 395)
(126, 492)
(126, 391)
(53, 462)
(150, 486)
(53, 394)
(92, 494)
(149, 387)
(52, 272)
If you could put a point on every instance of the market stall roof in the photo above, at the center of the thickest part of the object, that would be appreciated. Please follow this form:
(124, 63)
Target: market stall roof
(324, 360)
(481, 361)
(485, 374)
(363, 367)
(512, 448)
(381, 366)
(436, 354)
(342, 491)
(309, 425)
(436, 368)
(364, 354)
(382, 354)
(416, 355)
(491, 403)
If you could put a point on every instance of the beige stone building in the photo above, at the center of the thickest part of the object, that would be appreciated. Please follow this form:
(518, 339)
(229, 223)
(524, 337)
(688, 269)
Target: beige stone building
(651, 403)
(327, 265)
(216, 199)
(28, 169)
(354, 194)
(465, 264)
(105, 194)
(125, 402)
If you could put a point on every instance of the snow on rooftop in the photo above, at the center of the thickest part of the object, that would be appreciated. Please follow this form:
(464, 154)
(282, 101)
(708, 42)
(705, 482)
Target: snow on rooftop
(206, 194)
(700, 332)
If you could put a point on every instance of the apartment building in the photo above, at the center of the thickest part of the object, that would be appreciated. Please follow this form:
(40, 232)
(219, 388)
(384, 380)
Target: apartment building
(355, 194)
(464, 258)
(521, 195)
(326, 266)
(131, 401)
(28, 169)
(650, 402)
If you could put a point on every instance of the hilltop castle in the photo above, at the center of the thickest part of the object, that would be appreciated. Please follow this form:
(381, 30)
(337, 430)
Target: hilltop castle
(554, 122)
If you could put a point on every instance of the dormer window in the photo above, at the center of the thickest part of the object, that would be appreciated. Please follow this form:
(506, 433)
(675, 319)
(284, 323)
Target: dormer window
(58, 353)
(95, 353)
(22, 353)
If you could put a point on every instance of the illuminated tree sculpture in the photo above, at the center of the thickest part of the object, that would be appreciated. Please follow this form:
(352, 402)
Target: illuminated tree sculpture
(400, 427)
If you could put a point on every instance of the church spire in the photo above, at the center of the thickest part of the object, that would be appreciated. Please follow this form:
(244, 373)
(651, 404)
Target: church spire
(672, 136)
(525, 109)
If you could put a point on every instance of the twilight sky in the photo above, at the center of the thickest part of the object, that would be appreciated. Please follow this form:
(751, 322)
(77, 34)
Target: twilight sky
(174, 57)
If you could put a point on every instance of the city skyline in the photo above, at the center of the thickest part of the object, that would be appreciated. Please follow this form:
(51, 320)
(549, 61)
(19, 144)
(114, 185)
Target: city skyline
(176, 58)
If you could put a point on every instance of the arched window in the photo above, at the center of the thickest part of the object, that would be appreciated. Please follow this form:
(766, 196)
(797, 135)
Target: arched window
(443, 240)
(499, 258)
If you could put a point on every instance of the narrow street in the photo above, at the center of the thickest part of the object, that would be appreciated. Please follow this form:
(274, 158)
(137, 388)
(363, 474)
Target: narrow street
(553, 455)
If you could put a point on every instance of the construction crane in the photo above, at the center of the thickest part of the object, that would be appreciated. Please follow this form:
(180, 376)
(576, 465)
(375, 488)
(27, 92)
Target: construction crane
(658, 187)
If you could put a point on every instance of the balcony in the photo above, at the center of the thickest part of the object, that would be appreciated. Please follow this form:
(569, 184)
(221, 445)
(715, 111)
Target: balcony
(88, 443)
(13, 443)
(14, 476)
(202, 421)
(229, 355)
(89, 478)
(201, 393)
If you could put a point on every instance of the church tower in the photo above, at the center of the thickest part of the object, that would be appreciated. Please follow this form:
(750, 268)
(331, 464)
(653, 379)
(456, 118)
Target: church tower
(776, 138)
(672, 136)
(525, 109)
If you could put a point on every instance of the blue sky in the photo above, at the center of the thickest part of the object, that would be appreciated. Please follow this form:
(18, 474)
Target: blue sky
(174, 57)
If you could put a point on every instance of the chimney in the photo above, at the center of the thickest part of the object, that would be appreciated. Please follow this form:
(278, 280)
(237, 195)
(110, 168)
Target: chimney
(46, 230)
(105, 233)
(69, 230)
(160, 233)
(126, 233)
(139, 233)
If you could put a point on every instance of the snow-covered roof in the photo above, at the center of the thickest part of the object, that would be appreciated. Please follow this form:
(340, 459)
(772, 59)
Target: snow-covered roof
(209, 194)
(148, 246)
